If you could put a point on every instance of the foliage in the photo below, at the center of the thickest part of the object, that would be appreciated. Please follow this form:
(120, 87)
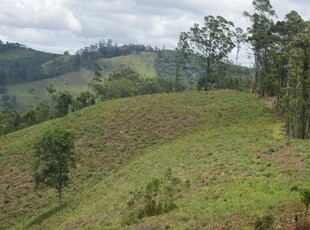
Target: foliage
(125, 82)
(96, 83)
(261, 39)
(9, 121)
(266, 222)
(84, 99)
(8, 102)
(210, 43)
(191, 74)
(19, 63)
(294, 97)
(158, 197)
(305, 198)
(55, 156)
(61, 101)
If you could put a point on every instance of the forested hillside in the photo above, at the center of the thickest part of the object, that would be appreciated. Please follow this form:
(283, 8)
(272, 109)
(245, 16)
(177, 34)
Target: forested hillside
(21, 64)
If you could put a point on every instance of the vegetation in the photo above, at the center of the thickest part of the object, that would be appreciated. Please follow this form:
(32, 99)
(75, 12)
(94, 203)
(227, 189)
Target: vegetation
(265, 223)
(233, 161)
(305, 198)
(158, 197)
(19, 63)
(54, 153)
(210, 43)
(222, 142)
(281, 52)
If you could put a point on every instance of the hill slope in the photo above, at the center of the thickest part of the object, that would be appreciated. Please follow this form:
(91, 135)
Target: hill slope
(227, 144)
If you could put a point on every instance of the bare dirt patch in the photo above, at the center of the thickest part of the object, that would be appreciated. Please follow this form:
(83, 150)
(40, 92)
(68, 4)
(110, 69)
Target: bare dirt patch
(286, 159)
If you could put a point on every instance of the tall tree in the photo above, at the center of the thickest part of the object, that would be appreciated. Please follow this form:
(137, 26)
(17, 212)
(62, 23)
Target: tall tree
(210, 43)
(295, 98)
(284, 32)
(96, 84)
(259, 36)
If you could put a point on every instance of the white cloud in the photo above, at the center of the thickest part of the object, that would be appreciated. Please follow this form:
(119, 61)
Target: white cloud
(39, 14)
(58, 25)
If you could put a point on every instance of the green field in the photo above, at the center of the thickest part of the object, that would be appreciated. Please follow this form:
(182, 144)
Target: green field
(29, 94)
(228, 144)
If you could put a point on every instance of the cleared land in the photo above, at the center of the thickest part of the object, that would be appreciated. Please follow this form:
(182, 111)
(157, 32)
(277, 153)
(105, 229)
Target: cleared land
(228, 144)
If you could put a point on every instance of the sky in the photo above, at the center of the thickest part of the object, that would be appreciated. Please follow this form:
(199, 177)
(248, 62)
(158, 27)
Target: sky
(60, 25)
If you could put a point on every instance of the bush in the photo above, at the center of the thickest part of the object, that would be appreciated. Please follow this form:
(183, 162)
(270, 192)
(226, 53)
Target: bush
(305, 198)
(150, 86)
(119, 88)
(265, 223)
(158, 197)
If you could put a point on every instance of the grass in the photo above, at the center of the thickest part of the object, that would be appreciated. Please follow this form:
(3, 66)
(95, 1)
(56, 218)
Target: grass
(30, 94)
(142, 63)
(216, 140)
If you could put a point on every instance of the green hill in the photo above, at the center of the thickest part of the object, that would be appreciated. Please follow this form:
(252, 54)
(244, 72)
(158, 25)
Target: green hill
(19, 63)
(30, 93)
(228, 144)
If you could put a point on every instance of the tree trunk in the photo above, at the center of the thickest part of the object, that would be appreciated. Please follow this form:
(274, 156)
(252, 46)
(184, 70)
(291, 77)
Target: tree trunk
(60, 197)
(305, 97)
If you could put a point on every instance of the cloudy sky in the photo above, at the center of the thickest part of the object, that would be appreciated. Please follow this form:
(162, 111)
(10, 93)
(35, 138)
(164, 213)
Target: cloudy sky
(59, 25)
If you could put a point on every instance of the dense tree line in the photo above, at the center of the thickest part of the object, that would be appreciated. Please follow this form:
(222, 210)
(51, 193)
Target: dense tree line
(282, 61)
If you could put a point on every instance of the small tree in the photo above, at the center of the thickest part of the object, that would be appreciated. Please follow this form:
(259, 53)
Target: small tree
(55, 155)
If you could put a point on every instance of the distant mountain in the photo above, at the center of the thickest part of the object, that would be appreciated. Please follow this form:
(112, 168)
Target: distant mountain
(21, 64)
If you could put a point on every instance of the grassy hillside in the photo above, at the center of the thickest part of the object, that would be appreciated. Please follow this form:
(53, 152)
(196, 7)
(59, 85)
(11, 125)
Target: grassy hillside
(29, 94)
(142, 63)
(227, 144)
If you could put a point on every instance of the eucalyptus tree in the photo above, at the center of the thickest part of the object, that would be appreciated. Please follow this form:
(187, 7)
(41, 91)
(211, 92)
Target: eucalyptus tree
(284, 31)
(210, 43)
(96, 84)
(295, 98)
(261, 40)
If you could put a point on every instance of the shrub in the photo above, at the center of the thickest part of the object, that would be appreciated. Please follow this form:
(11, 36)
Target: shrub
(157, 197)
(305, 198)
(150, 86)
(119, 88)
(265, 223)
